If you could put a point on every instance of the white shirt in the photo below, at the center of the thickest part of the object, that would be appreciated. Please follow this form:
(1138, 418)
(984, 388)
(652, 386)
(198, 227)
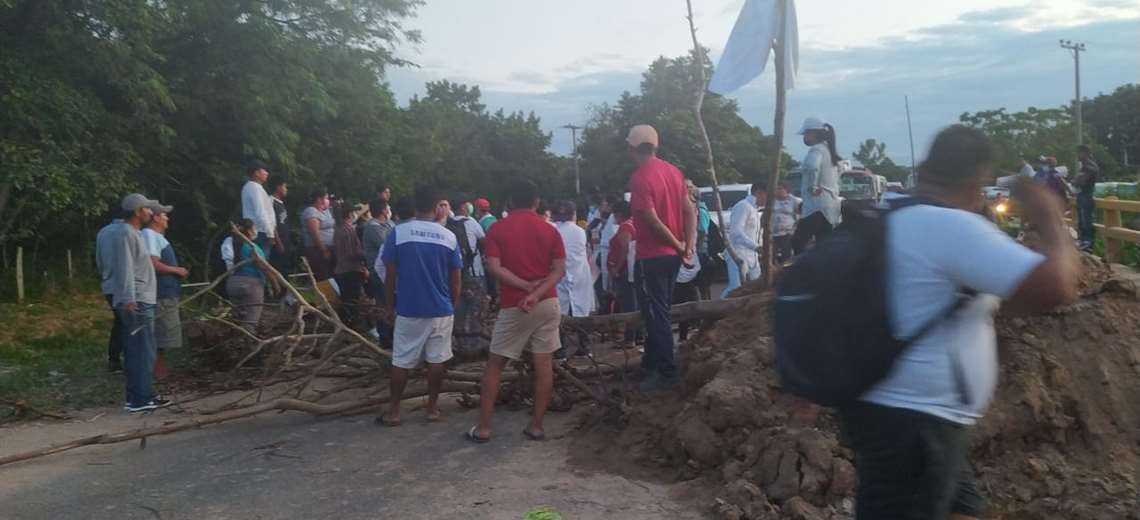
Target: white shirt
(784, 216)
(475, 233)
(818, 172)
(609, 229)
(744, 230)
(576, 289)
(258, 207)
(228, 252)
(932, 253)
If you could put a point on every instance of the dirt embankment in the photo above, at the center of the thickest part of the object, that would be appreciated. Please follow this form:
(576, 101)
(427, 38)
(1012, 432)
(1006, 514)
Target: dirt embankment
(1062, 439)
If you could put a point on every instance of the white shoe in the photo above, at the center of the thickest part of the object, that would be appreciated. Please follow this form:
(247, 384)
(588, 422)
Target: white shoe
(374, 333)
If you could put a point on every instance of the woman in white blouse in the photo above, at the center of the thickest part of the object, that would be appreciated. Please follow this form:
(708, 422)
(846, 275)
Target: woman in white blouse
(819, 185)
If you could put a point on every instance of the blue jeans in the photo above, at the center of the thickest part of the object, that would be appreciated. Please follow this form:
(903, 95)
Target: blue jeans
(139, 353)
(1086, 215)
(655, 279)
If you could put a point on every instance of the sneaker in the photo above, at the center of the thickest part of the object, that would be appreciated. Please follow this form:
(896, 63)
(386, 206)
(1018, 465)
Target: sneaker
(152, 404)
(374, 334)
(115, 366)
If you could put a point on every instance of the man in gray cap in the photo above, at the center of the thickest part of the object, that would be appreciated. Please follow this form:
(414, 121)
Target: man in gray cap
(128, 279)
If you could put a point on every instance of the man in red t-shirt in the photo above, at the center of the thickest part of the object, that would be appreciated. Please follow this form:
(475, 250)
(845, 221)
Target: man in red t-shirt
(525, 254)
(666, 227)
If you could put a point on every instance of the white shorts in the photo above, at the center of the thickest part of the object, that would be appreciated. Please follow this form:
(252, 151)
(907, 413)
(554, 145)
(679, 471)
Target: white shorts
(421, 339)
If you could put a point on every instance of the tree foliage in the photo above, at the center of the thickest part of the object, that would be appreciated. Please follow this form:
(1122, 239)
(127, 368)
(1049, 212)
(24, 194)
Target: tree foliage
(100, 97)
(1111, 125)
(873, 155)
(666, 100)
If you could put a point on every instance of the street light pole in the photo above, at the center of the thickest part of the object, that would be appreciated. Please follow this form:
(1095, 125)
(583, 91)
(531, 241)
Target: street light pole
(1076, 48)
(574, 136)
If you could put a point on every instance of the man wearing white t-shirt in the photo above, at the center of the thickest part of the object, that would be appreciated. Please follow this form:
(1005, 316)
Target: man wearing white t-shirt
(910, 431)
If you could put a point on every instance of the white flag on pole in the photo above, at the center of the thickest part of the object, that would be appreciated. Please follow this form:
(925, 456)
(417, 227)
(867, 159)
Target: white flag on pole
(750, 43)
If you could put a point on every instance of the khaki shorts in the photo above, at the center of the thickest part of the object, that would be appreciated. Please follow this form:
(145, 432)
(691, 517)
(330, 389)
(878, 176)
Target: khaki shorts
(167, 324)
(537, 330)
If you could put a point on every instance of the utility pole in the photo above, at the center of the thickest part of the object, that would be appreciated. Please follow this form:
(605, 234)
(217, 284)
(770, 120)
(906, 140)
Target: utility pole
(1076, 48)
(574, 136)
(910, 132)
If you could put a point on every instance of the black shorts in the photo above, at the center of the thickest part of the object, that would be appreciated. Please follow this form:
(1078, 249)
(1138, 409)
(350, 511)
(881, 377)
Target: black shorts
(911, 465)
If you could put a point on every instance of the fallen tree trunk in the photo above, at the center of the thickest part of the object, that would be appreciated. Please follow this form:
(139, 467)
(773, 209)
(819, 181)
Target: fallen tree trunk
(702, 310)
(283, 404)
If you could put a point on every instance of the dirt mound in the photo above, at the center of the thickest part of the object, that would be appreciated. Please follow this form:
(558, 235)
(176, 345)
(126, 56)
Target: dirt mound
(1062, 439)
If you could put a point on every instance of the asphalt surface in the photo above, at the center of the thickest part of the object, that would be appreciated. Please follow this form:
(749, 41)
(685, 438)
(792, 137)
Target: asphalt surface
(296, 466)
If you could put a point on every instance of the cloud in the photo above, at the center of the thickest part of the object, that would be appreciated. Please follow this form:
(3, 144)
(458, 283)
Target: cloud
(984, 60)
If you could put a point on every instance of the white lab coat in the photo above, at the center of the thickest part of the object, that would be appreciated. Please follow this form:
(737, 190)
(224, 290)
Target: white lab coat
(576, 289)
(819, 172)
(744, 239)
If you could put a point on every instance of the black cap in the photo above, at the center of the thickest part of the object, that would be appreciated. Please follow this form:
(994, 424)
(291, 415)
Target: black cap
(255, 165)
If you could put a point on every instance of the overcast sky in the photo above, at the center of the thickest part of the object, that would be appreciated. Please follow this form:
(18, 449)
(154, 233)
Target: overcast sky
(857, 59)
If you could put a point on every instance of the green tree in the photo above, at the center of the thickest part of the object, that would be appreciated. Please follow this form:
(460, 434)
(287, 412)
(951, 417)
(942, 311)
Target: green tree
(873, 155)
(665, 101)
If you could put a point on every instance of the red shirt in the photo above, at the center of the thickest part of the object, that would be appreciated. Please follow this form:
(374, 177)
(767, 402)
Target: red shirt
(658, 185)
(526, 245)
(615, 259)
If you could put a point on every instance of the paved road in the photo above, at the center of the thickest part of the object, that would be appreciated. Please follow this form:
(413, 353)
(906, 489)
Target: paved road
(295, 466)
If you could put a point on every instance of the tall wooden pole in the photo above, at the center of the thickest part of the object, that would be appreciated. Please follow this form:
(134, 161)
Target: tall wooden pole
(777, 148)
(19, 275)
(699, 61)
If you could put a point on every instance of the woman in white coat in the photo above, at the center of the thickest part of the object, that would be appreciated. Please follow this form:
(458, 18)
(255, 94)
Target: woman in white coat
(576, 289)
(820, 184)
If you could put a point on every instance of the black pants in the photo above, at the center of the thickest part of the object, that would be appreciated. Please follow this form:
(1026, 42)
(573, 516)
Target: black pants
(1086, 217)
(626, 296)
(115, 343)
(685, 293)
(655, 278)
(781, 248)
(911, 465)
(351, 286)
(813, 226)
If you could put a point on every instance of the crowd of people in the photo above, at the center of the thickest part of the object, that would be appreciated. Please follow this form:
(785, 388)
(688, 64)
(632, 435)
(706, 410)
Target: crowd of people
(432, 263)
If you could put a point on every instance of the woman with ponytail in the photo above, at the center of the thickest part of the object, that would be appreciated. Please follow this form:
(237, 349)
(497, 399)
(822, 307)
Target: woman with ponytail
(820, 184)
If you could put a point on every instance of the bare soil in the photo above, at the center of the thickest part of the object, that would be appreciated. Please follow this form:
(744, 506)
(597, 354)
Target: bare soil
(1062, 439)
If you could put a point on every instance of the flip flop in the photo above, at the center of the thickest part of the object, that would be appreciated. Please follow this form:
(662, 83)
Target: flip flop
(474, 437)
(434, 417)
(537, 437)
(383, 420)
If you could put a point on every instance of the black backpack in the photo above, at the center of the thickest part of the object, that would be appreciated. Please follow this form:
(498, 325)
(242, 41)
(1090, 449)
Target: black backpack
(830, 323)
(466, 248)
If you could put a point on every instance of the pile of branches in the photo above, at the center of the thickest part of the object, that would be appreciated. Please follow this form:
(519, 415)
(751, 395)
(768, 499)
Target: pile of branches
(313, 362)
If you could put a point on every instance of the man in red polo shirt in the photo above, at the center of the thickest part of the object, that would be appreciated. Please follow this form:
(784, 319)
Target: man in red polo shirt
(666, 224)
(525, 254)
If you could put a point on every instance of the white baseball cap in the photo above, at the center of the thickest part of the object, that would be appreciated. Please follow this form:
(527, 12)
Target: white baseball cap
(642, 134)
(811, 123)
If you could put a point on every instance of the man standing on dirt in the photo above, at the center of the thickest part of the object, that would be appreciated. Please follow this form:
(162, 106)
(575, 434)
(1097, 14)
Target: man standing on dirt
(1085, 183)
(281, 257)
(949, 270)
(666, 227)
(422, 260)
(128, 277)
(257, 206)
(744, 239)
(525, 253)
(167, 321)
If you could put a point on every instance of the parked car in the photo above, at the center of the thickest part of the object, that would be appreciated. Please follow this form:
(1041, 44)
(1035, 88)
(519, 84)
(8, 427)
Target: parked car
(730, 194)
